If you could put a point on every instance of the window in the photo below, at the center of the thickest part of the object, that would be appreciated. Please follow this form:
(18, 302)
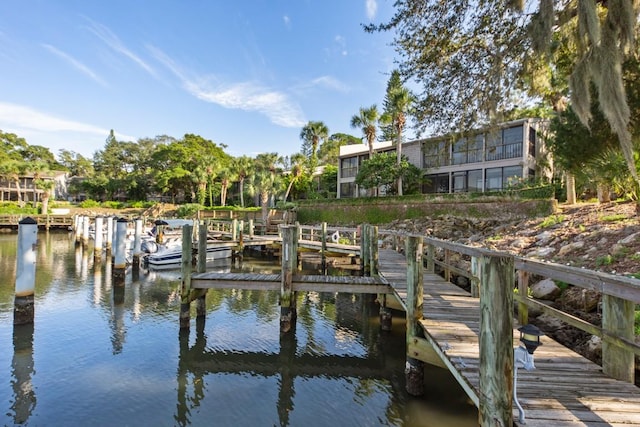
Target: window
(347, 189)
(532, 142)
(349, 167)
(467, 150)
(505, 144)
(500, 178)
(435, 154)
(467, 181)
(437, 183)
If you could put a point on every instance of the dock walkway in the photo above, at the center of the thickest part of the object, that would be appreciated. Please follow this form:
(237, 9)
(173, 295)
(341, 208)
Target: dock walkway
(565, 389)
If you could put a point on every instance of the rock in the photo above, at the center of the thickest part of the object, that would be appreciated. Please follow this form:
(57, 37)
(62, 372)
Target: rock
(544, 237)
(580, 299)
(570, 247)
(520, 243)
(545, 289)
(541, 252)
(629, 239)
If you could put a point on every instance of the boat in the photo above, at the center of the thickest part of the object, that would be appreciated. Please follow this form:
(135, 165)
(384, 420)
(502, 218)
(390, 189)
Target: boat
(169, 255)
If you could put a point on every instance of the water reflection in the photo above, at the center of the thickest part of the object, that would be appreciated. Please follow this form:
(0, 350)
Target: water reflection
(110, 354)
(24, 396)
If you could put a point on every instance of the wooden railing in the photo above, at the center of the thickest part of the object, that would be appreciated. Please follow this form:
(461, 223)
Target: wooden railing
(44, 221)
(620, 295)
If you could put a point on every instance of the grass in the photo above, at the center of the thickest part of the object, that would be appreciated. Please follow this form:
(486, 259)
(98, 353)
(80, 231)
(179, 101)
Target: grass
(551, 221)
(613, 218)
(636, 325)
(604, 260)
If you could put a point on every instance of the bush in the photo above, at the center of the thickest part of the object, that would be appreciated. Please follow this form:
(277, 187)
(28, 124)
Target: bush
(189, 210)
(89, 203)
(12, 208)
(112, 205)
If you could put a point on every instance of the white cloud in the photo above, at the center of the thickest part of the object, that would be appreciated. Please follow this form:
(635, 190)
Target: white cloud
(114, 42)
(247, 96)
(287, 21)
(13, 116)
(342, 44)
(330, 83)
(75, 63)
(372, 9)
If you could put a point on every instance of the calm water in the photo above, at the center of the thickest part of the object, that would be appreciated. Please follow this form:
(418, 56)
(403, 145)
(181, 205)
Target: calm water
(90, 360)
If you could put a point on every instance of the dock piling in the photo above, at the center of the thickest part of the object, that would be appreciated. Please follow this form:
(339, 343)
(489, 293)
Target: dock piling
(289, 262)
(414, 368)
(23, 310)
(186, 267)
(120, 257)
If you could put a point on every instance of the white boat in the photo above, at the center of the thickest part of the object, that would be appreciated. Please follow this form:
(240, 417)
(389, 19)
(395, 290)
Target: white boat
(169, 255)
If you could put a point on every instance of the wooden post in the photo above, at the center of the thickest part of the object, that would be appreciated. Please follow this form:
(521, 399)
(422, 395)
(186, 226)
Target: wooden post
(109, 236)
(114, 237)
(447, 262)
(202, 250)
(618, 320)
(373, 251)
(234, 230)
(364, 250)
(289, 262)
(137, 251)
(431, 262)
(23, 309)
(97, 240)
(323, 248)
(85, 232)
(414, 371)
(201, 299)
(476, 275)
(120, 259)
(496, 341)
(251, 228)
(523, 290)
(240, 248)
(76, 228)
(185, 289)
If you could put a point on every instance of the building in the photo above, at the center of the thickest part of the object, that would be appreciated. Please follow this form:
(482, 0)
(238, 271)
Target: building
(24, 187)
(484, 160)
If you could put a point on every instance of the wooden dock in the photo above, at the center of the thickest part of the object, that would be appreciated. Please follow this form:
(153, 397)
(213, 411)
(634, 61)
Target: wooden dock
(473, 334)
(565, 389)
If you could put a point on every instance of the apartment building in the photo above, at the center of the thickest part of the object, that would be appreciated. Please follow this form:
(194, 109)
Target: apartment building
(483, 160)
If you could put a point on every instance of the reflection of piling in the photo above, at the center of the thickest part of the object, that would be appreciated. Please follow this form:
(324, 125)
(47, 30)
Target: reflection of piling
(97, 240)
(120, 258)
(24, 399)
(323, 248)
(23, 311)
(289, 262)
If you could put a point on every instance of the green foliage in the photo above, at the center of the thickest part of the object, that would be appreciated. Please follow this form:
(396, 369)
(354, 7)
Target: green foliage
(604, 260)
(14, 208)
(110, 204)
(551, 221)
(89, 203)
(188, 210)
(636, 326)
(613, 218)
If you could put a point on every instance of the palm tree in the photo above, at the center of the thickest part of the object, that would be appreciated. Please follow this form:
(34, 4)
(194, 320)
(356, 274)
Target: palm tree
(226, 175)
(400, 104)
(265, 180)
(312, 133)
(46, 186)
(37, 168)
(242, 167)
(367, 120)
(297, 169)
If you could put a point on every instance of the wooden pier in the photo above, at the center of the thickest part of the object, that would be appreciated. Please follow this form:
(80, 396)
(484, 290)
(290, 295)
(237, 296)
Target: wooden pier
(473, 334)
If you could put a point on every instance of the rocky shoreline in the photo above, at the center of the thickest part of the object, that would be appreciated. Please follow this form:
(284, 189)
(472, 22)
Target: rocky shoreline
(601, 237)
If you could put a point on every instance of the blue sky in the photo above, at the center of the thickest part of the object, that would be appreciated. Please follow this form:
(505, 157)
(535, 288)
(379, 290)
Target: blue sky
(247, 74)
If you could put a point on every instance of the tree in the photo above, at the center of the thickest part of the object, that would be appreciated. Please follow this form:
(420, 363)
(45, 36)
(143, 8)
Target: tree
(46, 186)
(77, 164)
(295, 173)
(383, 171)
(400, 104)
(265, 180)
(312, 134)
(329, 150)
(472, 58)
(242, 166)
(367, 121)
(394, 83)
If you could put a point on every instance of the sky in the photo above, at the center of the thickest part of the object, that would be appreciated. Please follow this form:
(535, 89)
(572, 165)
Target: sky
(246, 74)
